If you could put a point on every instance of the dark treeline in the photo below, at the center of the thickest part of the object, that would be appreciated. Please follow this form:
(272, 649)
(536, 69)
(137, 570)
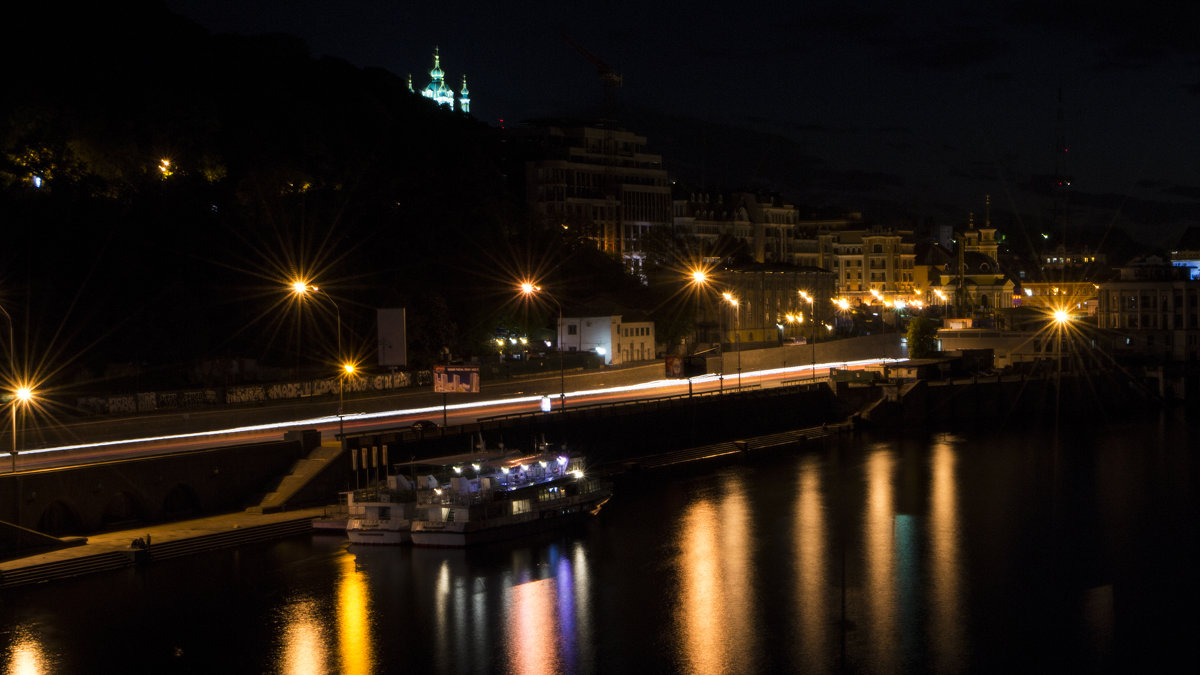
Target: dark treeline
(279, 164)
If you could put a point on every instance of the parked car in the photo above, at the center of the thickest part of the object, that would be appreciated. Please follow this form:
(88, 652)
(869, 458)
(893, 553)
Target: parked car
(421, 426)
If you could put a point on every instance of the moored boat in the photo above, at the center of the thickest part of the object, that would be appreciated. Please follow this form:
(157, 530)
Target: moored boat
(500, 498)
(381, 514)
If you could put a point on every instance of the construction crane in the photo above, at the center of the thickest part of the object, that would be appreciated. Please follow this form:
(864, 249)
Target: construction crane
(610, 79)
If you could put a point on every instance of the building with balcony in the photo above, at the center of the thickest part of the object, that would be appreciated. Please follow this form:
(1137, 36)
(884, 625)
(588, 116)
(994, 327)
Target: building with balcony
(880, 259)
(598, 182)
(764, 222)
(1152, 310)
(771, 304)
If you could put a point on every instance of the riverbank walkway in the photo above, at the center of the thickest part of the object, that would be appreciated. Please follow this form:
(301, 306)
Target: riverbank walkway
(115, 550)
(155, 543)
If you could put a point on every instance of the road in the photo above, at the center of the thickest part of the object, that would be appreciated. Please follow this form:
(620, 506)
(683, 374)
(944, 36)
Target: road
(122, 440)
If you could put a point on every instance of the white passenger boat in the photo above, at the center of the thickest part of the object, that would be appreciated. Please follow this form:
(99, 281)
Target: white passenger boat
(504, 497)
(381, 514)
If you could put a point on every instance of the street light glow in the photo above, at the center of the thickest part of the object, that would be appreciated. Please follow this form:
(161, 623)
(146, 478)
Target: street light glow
(528, 289)
(1061, 316)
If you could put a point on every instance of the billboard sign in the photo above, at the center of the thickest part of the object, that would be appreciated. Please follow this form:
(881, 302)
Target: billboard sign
(392, 338)
(456, 379)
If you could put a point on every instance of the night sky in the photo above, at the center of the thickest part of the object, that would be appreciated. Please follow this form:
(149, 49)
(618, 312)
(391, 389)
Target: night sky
(937, 105)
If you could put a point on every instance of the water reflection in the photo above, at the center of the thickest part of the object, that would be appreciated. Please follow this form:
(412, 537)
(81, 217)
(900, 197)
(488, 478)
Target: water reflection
(531, 621)
(811, 535)
(879, 596)
(303, 648)
(714, 611)
(26, 655)
(307, 639)
(354, 620)
(944, 577)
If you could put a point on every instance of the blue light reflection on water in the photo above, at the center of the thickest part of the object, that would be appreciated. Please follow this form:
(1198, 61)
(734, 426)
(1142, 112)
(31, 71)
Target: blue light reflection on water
(949, 552)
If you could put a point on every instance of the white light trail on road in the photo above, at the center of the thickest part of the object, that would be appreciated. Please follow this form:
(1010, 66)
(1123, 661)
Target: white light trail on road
(409, 412)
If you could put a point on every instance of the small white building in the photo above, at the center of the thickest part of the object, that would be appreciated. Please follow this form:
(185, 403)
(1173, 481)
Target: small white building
(618, 341)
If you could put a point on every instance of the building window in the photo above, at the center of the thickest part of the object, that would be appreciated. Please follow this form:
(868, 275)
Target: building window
(572, 329)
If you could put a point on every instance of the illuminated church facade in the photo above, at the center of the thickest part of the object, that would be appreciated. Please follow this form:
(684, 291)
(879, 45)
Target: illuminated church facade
(439, 92)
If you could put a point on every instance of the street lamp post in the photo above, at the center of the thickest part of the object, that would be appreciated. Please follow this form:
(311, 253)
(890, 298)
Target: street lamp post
(528, 289)
(812, 319)
(302, 290)
(737, 332)
(699, 280)
(1061, 318)
(17, 393)
(22, 395)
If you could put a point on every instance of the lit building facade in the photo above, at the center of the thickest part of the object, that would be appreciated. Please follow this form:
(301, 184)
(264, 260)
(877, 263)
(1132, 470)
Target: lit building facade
(879, 259)
(600, 183)
(1152, 309)
(617, 341)
(764, 222)
(771, 304)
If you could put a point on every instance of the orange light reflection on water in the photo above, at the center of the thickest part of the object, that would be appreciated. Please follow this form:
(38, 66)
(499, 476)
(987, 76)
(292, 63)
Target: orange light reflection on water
(714, 611)
(811, 536)
(532, 644)
(26, 655)
(880, 592)
(355, 649)
(944, 542)
(304, 650)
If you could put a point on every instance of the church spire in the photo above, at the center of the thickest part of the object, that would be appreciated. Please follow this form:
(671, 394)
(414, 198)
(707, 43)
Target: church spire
(437, 73)
(464, 98)
(437, 89)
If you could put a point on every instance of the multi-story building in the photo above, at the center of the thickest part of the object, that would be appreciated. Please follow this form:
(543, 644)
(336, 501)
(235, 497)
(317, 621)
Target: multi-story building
(617, 341)
(770, 303)
(598, 182)
(1152, 308)
(1061, 258)
(879, 259)
(1187, 252)
(764, 222)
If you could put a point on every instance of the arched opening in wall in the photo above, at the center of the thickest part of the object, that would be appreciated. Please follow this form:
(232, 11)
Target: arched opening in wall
(983, 300)
(60, 519)
(122, 510)
(181, 501)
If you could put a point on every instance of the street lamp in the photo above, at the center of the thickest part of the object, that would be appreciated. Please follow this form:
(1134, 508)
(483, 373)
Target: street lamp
(812, 319)
(528, 289)
(699, 280)
(22, 395)
(737, 331)
(302, 289)
(1061, 318)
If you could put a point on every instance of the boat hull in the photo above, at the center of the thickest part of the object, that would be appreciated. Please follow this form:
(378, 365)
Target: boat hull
(378, 537)
(470, 533)
(390, 534)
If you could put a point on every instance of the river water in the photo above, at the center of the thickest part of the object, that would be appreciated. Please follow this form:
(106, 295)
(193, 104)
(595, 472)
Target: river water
(988, 549)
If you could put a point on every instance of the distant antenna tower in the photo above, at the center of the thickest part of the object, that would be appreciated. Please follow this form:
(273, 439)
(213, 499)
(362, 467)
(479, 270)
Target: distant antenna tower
(1062, 179)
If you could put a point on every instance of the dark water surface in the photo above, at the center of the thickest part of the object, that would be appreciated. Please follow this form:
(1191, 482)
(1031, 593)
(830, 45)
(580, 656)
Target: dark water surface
(990, 549)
